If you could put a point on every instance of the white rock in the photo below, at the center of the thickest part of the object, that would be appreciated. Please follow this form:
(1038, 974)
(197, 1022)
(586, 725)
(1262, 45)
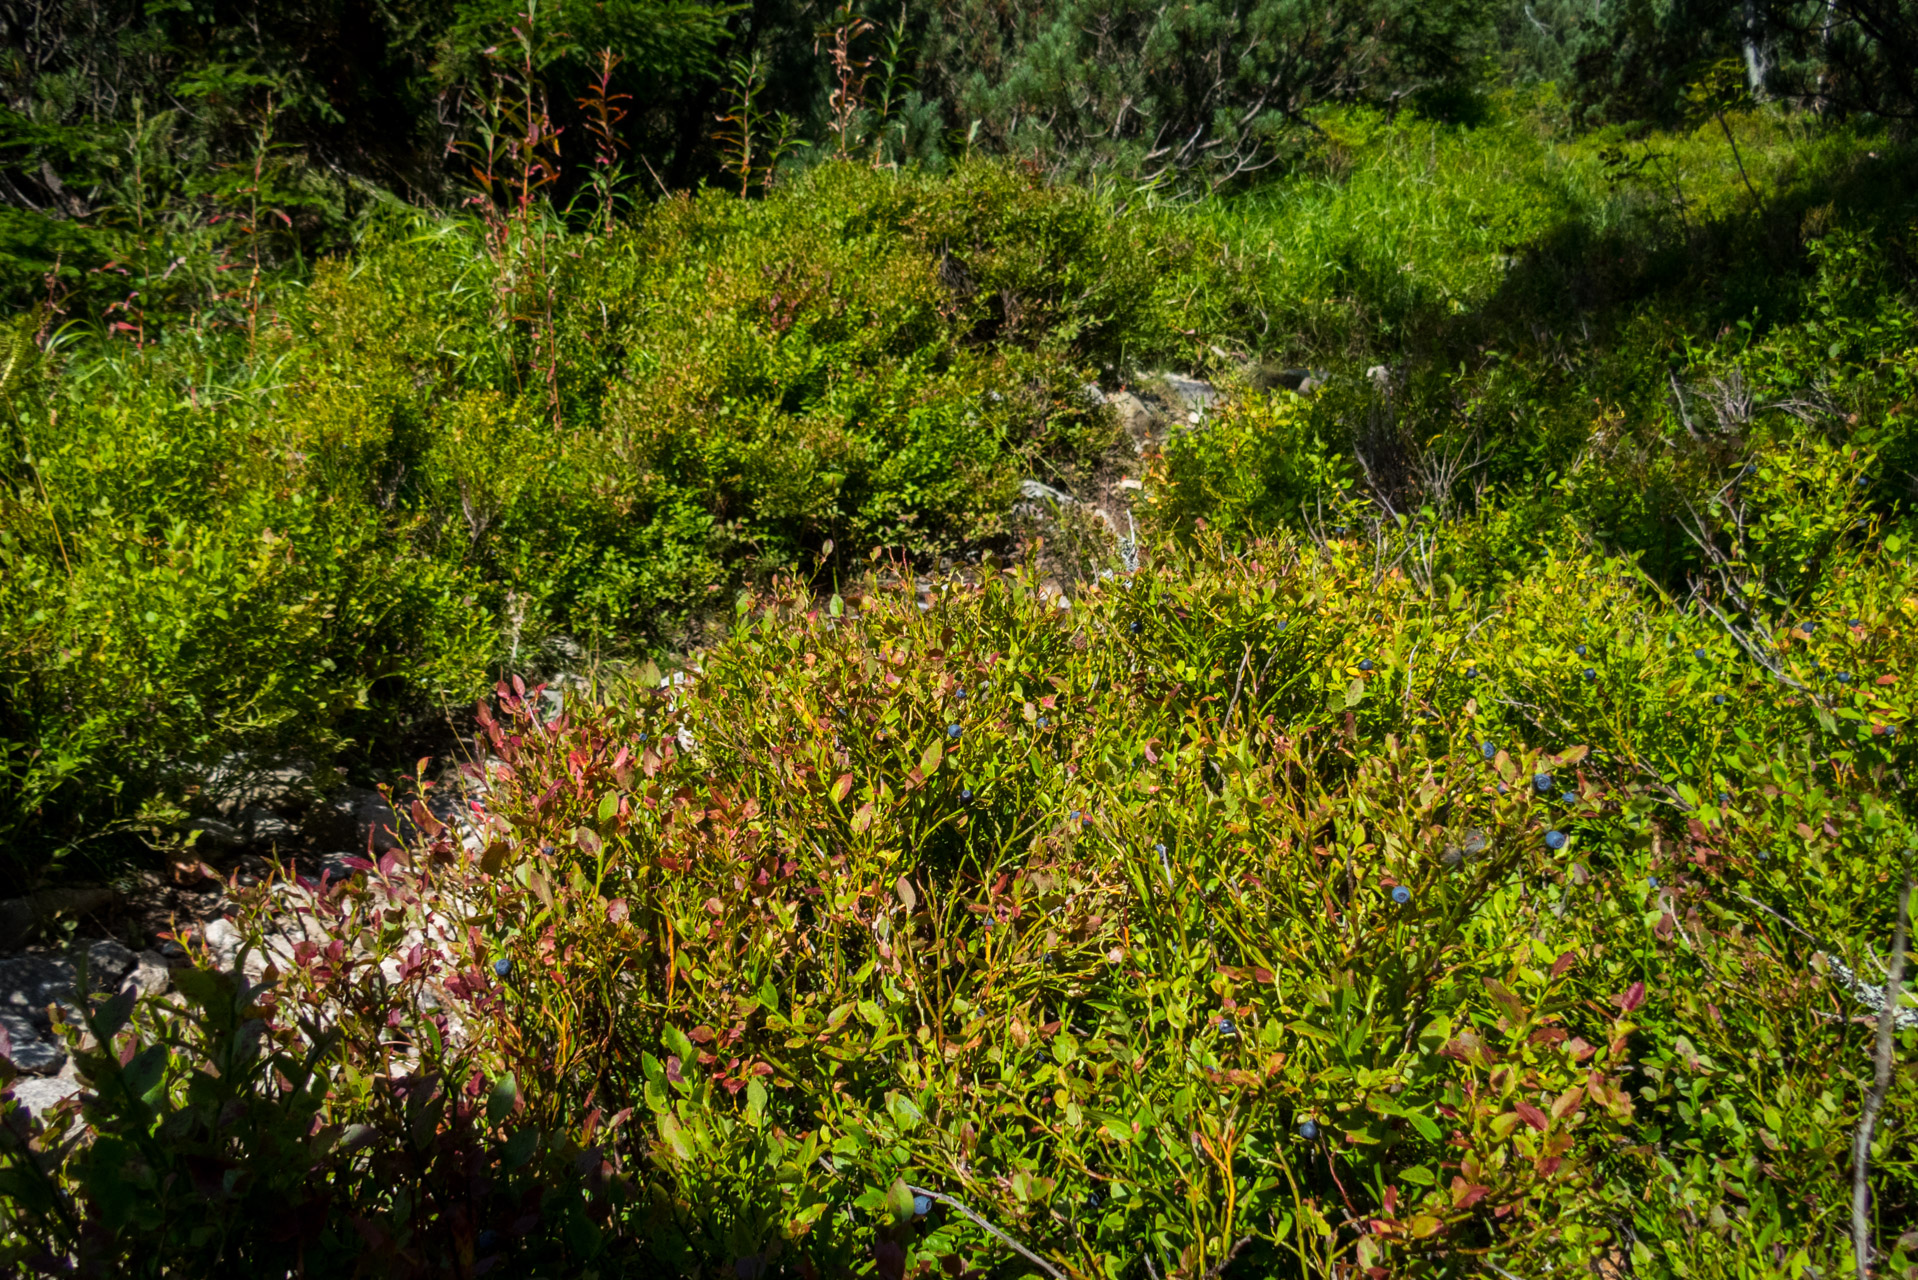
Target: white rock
(31, 1052)
(224, 940)
(39, 1096)
(150, 975)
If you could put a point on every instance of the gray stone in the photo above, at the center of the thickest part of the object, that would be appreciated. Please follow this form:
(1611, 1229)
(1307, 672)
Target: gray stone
(32, 1051)
(1137, 421)
(224, 940)
(1193, 395)
(150, 976)
(216, 833)
(19, 917)
(28, 984)
(1264, 377)
(355, 819)
(265, 827)
(108, 964)
(240, 782)
(1037, 491)
(39, 1096)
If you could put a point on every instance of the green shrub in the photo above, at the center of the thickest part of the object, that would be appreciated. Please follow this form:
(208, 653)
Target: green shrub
(1222, 850)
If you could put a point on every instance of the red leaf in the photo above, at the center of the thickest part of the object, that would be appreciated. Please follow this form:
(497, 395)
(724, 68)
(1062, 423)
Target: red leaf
(617, 912)
(1634, 997)
(1531, 1115)
(1563, 965)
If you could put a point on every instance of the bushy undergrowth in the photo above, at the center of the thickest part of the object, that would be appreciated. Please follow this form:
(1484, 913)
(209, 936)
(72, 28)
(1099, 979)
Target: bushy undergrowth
(309, 535)
(1286, 912)
(467, 439)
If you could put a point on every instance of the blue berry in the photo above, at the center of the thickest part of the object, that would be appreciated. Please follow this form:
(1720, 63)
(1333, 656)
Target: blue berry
(1365, 665)
(1844, 677)
(1652, 881)
(1487, 749)
(1043, 722)
(1073, 816)
(1590, 674)
(1569, 797)
(1543, 781)
(1309, 1131)
(1699, 654)
(965, 795)
(502, 966)
(1159, 849)
(953, 731)
(1135, 628)
(1580, 651)
(1853, 622)
(1226, 1029)
(1718, 699)
(1401, 894)
(1555, 839)
(921, 1206)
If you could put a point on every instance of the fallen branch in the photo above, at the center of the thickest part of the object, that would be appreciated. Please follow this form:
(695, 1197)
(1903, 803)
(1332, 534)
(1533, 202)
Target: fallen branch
(1005, 1239)
(1880, 1086)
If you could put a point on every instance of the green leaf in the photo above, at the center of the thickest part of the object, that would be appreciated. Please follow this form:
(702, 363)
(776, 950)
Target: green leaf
(499, 1101)
(929, 759)
(756, 1103)
(1424, 1124)
(521, 1146)
(899, 1201)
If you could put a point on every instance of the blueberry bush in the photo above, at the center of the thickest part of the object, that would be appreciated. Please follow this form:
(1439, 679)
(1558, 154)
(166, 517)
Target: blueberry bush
(1462, 834)
(1267, 912)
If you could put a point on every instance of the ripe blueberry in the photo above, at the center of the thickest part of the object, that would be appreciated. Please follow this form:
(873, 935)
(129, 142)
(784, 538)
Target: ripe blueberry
(1543, 781)
(1308, 1131)
(921, 1206)
(953, 731)
(1401, 894)
(502, 966)
(1555, 839)
(1366, 665)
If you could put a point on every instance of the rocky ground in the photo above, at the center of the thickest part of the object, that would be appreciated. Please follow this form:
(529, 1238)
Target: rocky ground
(136, 932)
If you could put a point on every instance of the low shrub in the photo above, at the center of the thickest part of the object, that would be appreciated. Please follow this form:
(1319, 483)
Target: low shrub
(1257, 914)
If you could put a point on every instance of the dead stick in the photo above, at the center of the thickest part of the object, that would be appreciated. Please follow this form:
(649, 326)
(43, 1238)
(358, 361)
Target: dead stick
(1880, 1086)
(1005, 1239)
